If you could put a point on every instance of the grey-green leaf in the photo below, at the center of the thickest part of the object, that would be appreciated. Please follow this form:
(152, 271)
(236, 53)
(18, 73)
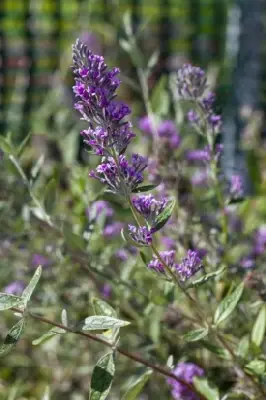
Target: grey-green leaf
(72, 240)
(102, 308)
(12, 337)
(258, 331)
(102, 322)
(145, 188)
(27, 292)
(50, 195)
(5, 146)
(102, 377)
(8, 301)
(256, 367)
(136, 387)
(203, 387)
(228, 304)
(195, 335)
(48, 335)
(162, 219)
(207, 277)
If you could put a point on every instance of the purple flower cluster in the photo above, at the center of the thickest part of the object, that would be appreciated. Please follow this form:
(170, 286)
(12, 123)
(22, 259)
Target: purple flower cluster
(98, 208)
(236, 187)
(192, 85)
(166, 130)
(186, 371)
(260, 241)
(204, 155)
(15, 288)
(149, 207)
(142, 236)
(168, 258)
(190, 264)
(121, 176)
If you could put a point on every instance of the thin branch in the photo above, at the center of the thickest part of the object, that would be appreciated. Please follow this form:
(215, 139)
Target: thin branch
(157, 368)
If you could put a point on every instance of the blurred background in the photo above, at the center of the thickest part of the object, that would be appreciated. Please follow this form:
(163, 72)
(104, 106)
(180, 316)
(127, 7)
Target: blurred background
(227, 37)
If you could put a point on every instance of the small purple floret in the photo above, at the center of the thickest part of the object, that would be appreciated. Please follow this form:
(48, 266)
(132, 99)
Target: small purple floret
(186, 371)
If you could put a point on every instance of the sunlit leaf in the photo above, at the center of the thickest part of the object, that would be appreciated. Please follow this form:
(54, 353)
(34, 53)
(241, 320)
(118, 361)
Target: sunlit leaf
(27, 292)
(48, 335)
(8, 301)
(136, 387)
(98, 323)
(228, 304)
(258, 331)
(102, 308)
(12, 337)
(203, 387)
(102, 377)
(256, 367)
(195, 335)
(207, 277)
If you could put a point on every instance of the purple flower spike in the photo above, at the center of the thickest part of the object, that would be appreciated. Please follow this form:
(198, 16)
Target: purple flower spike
(191, 82)
(236, 186)
(149, 207)
(141, 235)
(260, 241)
(112, 230)
(168, 132)
(190, 264)
(39, 259)
(169, 259)
(199, 155)
(98, 208)
(145, 125)
(125, 178)
(187, 372)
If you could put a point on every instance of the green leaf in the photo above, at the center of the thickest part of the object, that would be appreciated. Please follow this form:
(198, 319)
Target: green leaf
(12, 337)
(125, 45)
(228, 304)
(102, 377)
(135, 389)
(195, 335)
(160, 100)
(37, 167)
(102, 323)
(48, 335)
(50, 196)
(243, 347)
(219, 351)
(145, 188)
(256, 367)
(100, 307)
(8, 301)
(127, 22)
(18, 167)
(162, 219)
(203, 387)
(23, 145)
(5, 146)
(259, 327)
(153, 59)
(143, 257)
(27, 292)
(206, 278)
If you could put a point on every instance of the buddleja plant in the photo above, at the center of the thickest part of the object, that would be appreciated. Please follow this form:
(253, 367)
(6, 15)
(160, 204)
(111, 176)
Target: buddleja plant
(186, 259)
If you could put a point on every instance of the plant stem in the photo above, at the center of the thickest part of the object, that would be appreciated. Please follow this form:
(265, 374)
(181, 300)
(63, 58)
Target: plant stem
(157, 368)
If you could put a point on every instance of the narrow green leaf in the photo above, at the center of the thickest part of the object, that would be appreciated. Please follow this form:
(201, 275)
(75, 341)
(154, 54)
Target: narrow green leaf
(99, 322)
(5, 146)
(228, 304)
(207, 277)
(12, 337)
(135, 389)
(125, 45)
(203, 387)
(259, 327)
(50, 196)
(145, 188)
(48, 335)
(153, 59)
(144, 258)
(64, 317)
(102, 377)
(23, 145)
(8, 301)
(256, 367)
(27, 292)
(219, 351)
(195, 335)
(100, 307)
(127, 22)
(37, 167)
(243, 347)
(18, 167)
(162, 219)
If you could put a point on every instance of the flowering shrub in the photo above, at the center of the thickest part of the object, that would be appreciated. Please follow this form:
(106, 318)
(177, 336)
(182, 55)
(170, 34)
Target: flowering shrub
(178, 299)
